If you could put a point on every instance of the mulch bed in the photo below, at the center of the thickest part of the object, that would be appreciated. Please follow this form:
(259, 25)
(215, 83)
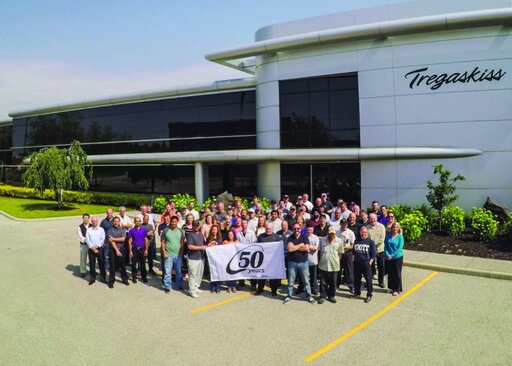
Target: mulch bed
(464, 244)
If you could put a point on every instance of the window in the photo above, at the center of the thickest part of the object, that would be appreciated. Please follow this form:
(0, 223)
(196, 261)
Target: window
(320, 112)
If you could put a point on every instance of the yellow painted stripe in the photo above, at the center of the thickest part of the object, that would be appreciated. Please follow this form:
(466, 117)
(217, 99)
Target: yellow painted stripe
(368, 321)
(208, 307)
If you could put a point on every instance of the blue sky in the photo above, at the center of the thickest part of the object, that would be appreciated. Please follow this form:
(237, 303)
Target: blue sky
(56, 52)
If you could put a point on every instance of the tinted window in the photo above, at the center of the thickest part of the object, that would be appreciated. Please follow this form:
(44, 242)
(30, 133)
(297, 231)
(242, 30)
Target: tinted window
(320, 112)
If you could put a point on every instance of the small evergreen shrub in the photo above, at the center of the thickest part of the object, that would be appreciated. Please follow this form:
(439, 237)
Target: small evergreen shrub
(482, 224)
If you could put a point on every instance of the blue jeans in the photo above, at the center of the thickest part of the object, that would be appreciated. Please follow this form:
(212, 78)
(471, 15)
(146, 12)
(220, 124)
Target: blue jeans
(303, 269)
(170, 263)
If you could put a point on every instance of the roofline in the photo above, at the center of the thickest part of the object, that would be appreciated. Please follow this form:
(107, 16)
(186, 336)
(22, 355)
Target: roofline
(431, 23)
(7, 122)
(257, 155)
(217, 86)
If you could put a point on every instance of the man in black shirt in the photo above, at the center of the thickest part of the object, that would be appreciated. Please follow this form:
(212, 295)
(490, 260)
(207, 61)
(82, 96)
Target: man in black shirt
(268, 237)
(107, 224)
(298, 248)
(116, 237)
(364, 255)
(353, 225)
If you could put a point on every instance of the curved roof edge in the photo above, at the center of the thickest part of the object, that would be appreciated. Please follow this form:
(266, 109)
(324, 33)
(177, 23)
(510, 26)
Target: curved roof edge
(431, 23)
(217, 86)
(375, 153)
(7, 122)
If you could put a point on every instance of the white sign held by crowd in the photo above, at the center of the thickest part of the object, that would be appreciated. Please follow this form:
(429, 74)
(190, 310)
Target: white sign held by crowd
(246, 261)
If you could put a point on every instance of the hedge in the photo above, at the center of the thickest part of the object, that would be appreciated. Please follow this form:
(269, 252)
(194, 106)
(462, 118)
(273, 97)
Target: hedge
(102, 198)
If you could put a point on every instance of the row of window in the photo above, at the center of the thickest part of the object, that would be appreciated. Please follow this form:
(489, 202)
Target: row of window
(198, 116)
(340, 180)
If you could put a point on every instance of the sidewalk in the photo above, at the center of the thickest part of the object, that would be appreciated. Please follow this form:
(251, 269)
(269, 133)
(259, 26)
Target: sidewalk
(473, 266)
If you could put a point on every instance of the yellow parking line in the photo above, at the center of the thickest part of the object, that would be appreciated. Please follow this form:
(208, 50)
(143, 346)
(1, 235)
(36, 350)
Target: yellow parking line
(208, 307)
(368, 321)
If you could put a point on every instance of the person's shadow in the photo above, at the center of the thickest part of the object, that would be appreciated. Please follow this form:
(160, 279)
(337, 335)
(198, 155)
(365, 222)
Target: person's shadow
(74, 269)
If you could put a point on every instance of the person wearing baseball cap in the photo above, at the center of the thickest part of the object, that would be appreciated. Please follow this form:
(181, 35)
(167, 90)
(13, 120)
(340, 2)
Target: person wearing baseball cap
(331, 248)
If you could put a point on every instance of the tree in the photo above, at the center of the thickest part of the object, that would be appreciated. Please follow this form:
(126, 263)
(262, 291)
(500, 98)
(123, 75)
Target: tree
(442, 195)
(58, 169)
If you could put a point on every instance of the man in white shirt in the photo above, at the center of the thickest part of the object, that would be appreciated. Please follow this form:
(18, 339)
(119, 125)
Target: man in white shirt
(347, 259)
(246, 235)
(305, 199)
(252, 220)
(81, 230)
(144, 210)
(313, 259)
(95, 240)
(275, 221)
(127, 224)
(192, 210)
(335, 221)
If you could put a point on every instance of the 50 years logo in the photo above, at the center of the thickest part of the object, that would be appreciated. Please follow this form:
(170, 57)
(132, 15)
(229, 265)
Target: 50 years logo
(248, 259)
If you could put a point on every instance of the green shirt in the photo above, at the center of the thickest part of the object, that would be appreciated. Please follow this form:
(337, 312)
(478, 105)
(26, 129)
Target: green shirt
(172, 241)
(330, 253)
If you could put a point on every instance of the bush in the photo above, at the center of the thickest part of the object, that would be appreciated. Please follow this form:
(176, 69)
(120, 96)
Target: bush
(413, 225)
(159, 204)
(101, 198)
(507, 228)
(399, 211)
(183, 199)
(482, 224)
(429, 215)
(452, 220)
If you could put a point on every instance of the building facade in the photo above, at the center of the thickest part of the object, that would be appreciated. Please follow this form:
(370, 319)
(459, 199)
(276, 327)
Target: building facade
(359, 104)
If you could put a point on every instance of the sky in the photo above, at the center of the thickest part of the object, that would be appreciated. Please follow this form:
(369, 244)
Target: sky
(54, 52)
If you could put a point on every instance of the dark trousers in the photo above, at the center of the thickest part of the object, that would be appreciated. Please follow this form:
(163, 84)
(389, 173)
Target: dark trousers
(347, 261)
(117, 263)
(260, 285)
(101, 263)
(380, 259)
(139, 258)
(363, 269)
(394, 268)
(126, 254)
(151, 254)
(313, 278)
(328, 283)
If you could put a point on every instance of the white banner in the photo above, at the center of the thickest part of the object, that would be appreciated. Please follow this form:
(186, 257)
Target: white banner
(246, 261)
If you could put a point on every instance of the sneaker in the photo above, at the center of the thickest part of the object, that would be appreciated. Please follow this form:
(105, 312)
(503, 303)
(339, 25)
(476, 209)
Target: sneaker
(332, 300)
(167, 291)
(368, 299)
(354, 296)
(194, 295)
(321, 300)
(287, 300)
(394, 293)
(312, 301)
(134, 280)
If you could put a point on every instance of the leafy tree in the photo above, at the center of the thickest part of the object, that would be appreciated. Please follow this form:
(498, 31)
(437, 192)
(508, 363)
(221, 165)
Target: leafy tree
(58, 169)
(442, 195)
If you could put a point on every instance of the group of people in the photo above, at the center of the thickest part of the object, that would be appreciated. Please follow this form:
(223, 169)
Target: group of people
(325, 245)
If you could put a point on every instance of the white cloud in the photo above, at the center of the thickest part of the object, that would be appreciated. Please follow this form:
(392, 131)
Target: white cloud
(32, 84)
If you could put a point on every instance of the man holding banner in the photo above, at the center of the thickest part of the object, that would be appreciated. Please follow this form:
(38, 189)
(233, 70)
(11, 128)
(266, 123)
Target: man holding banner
(298, 248)
(269, 237)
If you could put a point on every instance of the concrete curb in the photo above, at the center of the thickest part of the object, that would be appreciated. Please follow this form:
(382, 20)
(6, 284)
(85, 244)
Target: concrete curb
(460, 270)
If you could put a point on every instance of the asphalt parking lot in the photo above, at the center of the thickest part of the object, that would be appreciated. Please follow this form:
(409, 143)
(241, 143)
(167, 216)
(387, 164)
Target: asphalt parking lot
(50, 316)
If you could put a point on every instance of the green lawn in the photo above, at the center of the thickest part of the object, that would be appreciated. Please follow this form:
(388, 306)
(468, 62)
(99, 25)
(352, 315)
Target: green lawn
(26, 208)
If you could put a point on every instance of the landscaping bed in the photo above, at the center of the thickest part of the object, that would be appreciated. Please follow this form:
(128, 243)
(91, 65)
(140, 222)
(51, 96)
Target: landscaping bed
(464, 244)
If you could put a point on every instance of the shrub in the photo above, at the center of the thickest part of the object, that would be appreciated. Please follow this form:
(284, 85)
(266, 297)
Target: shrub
(183, 199)
(482, 224)
(507, 228)
(429, 215)
(413, 225)
(399, 211)
(102, 198)
(452, 220)
(159, 204)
